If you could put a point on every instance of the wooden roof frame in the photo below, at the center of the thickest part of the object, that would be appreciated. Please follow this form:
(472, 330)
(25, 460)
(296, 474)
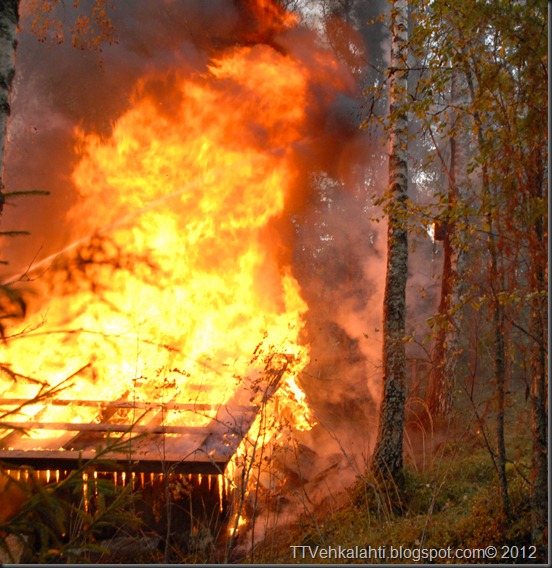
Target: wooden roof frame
(147, 445)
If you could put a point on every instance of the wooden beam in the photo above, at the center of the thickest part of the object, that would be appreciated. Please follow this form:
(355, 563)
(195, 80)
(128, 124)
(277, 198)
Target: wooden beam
(117, 404)
(129, 428)
(144, 462)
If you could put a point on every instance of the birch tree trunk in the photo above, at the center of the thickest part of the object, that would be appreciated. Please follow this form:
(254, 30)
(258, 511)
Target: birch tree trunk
(9, 17)
(387, 459)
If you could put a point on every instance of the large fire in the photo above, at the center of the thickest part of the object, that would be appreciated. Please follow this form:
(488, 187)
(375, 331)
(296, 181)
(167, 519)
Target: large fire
(186, 286)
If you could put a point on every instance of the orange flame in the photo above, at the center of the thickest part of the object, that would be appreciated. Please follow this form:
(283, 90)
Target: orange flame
(189, 183)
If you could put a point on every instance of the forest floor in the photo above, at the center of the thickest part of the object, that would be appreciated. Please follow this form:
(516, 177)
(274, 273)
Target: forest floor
(448, 502)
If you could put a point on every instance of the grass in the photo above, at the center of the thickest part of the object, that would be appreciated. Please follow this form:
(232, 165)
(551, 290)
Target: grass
(447, 496)
(450, 500)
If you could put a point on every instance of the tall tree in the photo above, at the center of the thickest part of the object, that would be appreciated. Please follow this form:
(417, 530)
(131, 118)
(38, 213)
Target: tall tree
(500, 49)
(388, 453)
(444, 355)
(441, 105)
(509, 89)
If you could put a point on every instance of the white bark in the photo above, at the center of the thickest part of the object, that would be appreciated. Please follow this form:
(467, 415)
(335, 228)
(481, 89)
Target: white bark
(387, 458)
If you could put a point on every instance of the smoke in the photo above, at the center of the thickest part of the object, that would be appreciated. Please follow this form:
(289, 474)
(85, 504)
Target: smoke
(337, 252)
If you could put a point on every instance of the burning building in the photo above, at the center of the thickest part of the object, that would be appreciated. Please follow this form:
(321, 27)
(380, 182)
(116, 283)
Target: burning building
(169, 315)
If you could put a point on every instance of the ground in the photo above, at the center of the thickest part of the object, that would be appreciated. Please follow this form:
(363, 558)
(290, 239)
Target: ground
(446, 502)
